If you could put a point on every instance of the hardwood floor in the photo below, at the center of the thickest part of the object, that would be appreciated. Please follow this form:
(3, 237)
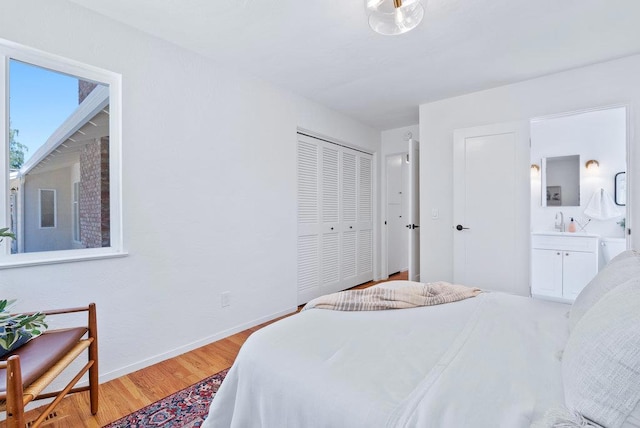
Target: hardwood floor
(136, 390)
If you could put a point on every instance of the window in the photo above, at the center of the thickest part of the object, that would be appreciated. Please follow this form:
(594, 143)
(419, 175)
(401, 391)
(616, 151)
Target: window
(61, 179)
(47, 208)
(75, 208)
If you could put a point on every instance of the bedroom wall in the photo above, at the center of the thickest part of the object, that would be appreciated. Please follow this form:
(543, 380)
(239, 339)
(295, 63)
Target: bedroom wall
(209, 192)
(604, 84)
(393, 140)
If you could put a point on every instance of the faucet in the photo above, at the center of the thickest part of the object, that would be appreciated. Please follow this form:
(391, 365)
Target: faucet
(559, 225)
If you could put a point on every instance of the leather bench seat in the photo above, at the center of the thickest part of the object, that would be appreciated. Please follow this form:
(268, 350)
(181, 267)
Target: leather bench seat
(41, 353)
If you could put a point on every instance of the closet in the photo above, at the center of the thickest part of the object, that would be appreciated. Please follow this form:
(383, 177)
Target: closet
(335, 217)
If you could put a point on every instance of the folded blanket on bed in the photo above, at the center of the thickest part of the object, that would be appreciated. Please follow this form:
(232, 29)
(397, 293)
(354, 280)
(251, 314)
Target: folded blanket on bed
(407, 296)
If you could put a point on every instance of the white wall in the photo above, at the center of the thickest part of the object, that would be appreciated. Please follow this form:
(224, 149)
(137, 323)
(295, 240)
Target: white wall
(604, 84)
(599, 135)
(393, 142)
(209, 192)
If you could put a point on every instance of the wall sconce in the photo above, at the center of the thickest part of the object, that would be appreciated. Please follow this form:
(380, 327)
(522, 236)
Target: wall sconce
(592, 166)
(535, 170)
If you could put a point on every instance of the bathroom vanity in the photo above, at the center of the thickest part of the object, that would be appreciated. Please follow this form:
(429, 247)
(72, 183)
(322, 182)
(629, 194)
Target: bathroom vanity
(562, 264)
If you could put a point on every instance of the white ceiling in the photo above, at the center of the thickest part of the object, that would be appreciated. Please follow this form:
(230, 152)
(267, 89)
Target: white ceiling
(325, 51)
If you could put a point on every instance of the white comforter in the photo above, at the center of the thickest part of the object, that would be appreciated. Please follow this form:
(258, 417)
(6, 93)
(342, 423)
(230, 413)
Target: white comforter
(488, 361)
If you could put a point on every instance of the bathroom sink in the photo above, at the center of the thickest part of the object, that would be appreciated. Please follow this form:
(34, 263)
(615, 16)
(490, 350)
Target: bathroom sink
(556, 233)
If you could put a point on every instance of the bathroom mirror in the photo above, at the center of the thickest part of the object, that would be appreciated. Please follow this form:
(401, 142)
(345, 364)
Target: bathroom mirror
(561, 184)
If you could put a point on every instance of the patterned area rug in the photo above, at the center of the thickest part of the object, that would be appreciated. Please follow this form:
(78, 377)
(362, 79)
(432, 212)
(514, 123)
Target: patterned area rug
(186, 408)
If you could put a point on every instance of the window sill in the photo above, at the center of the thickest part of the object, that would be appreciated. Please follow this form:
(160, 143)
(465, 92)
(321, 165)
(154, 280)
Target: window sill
(56, 257)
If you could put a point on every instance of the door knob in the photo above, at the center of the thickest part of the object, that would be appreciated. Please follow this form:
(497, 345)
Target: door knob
(461, 227)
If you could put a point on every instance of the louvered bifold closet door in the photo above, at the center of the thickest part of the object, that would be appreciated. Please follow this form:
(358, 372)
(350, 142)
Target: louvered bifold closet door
(365, 219)
(330, 209)
(349, 270)
(308, 221)
(335, 210)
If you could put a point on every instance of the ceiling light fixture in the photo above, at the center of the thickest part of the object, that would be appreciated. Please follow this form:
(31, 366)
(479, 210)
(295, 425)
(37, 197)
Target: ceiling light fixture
(392, 17)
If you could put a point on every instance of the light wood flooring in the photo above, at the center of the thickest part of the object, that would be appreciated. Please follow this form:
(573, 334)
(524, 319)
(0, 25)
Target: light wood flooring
(126, 394)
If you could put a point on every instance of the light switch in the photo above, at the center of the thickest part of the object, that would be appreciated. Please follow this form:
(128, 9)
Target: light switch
(435, 213)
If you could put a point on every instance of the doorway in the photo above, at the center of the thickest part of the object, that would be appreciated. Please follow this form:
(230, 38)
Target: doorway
(403, 211)
(597, 139)
(397, 173)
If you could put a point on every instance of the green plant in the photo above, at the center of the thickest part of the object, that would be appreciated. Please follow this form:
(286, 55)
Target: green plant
(18, 328)
(4, 233)
(622, 223)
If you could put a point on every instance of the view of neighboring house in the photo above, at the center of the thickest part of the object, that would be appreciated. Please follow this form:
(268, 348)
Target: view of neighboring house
(60, 196)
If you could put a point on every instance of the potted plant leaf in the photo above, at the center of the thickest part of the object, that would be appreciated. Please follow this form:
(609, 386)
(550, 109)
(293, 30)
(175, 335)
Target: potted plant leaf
(4, 233)
(18, 329)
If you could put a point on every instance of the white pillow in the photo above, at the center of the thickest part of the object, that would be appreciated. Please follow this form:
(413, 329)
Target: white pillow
(621, 268)
(601, 362)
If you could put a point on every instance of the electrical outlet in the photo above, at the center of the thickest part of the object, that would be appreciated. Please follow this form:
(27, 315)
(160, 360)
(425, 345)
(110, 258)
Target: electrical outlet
(225, 299)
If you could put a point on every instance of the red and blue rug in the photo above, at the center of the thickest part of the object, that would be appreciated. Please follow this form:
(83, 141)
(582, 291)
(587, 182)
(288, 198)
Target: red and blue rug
(186, 408)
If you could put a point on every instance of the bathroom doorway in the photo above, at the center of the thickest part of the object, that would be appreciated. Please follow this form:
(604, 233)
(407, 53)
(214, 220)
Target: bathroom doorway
(590, 198)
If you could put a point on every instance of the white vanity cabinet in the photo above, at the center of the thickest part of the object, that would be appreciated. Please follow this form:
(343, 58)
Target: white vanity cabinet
(562, 264)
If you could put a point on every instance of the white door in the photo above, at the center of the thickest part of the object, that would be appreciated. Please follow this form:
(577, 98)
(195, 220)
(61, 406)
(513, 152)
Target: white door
(330, 215)
(396, 217)
(308, 220)
(349, 261)
(365, 219)
(414, 211)
(335, 218)
(491, 207)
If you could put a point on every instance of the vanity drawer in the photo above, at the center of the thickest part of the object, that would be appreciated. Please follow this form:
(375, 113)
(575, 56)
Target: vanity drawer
(567, 243)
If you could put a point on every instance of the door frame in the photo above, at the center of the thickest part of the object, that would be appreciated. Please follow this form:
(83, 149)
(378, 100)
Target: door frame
(413, 211)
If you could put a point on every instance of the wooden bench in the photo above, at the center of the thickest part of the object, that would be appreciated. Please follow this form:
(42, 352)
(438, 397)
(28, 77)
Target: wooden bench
(27, 371)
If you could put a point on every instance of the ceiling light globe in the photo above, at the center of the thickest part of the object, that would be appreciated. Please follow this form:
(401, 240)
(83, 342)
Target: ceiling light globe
(389, 19)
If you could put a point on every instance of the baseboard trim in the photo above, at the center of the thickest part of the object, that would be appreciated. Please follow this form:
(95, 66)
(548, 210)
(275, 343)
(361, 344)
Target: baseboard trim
(191, 346)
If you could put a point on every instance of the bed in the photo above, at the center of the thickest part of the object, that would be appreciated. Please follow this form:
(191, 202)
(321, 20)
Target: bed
(495, 360)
